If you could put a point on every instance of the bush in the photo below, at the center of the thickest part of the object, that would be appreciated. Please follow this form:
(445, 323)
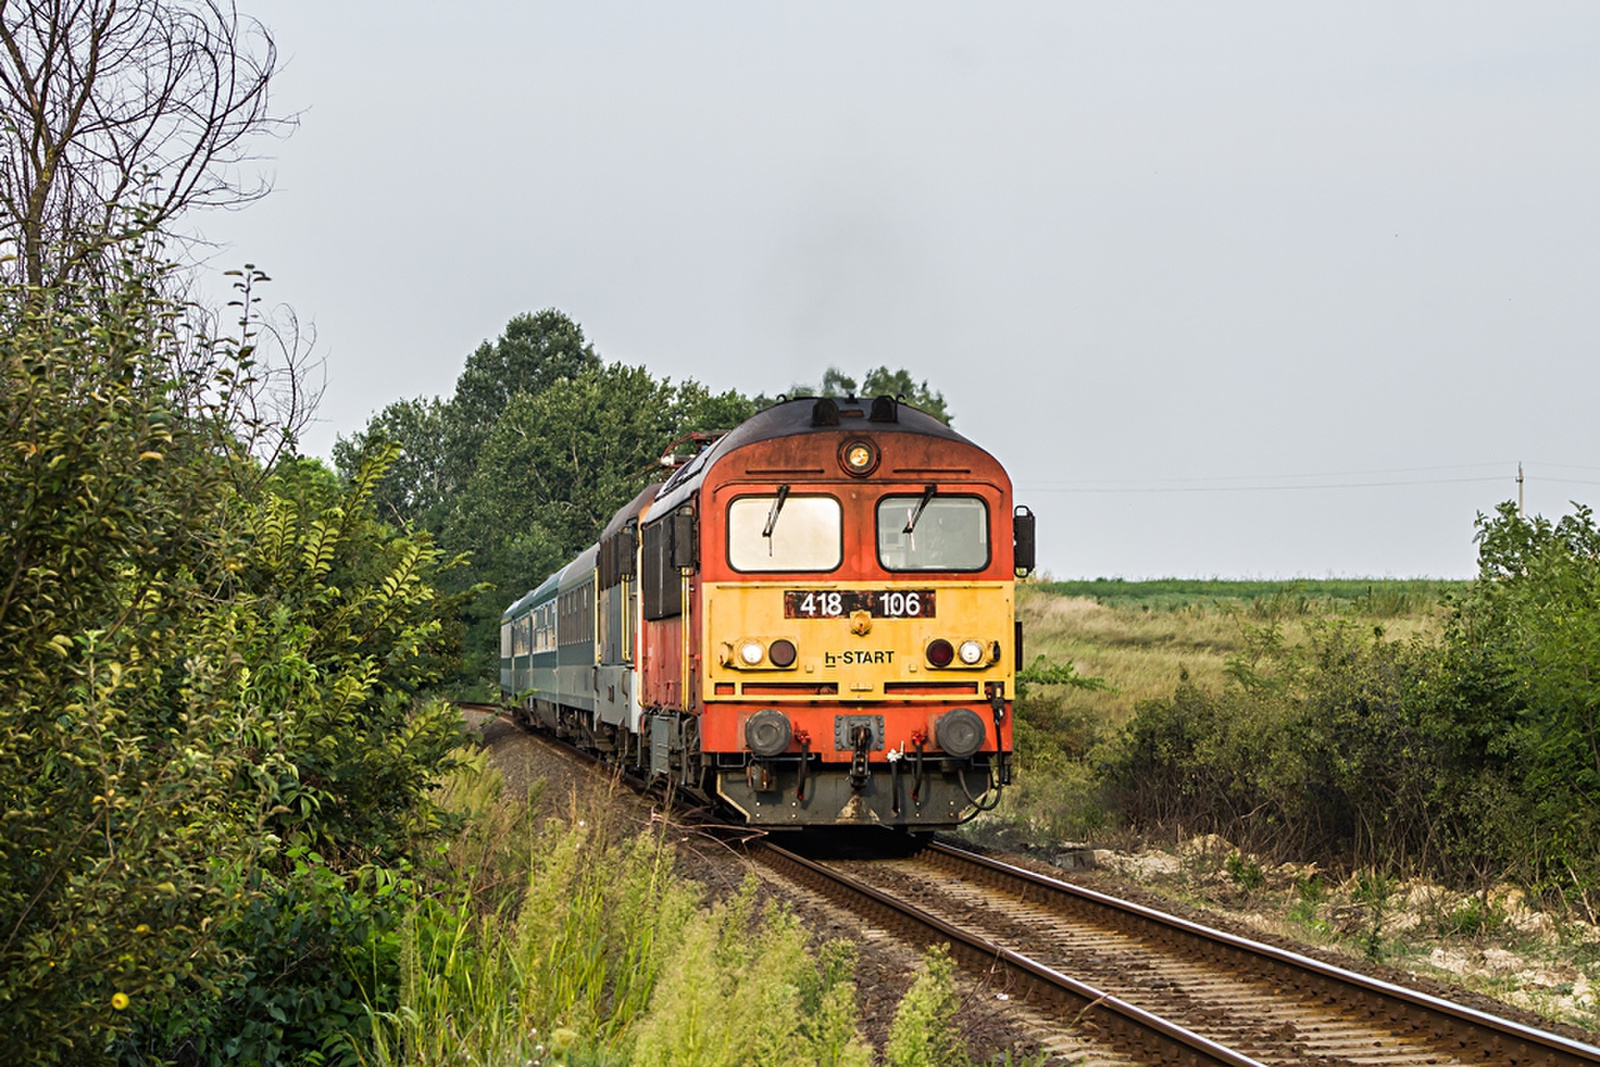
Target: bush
(1342, 751)
(122, 814)
(208, 673)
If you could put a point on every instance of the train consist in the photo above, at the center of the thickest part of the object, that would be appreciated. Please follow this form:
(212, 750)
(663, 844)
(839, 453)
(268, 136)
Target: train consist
(811, 622)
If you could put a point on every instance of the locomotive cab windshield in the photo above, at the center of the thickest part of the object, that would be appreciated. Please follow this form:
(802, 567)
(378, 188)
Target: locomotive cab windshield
(785, 532)
(933, 533)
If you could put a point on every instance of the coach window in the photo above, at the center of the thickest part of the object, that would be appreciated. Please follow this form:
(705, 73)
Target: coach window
(784, 532)
(931, 532)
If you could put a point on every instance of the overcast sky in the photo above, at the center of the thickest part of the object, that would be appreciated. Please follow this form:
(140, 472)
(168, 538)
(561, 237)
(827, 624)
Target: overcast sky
(1232, 290)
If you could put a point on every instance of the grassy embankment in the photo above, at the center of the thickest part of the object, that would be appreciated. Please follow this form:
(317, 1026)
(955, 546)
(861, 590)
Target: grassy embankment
(562, 932)
(1136, 636)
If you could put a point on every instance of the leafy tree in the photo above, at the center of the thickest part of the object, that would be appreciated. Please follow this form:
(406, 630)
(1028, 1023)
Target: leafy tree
(555, 468)
(418, 487)
(528, 460)
(441, 440)
(532, 354)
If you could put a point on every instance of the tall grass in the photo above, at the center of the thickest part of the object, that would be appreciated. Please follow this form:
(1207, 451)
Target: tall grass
(601, 954)
(733, 998)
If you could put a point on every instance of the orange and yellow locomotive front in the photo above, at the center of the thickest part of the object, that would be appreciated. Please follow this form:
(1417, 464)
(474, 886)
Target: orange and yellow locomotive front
(857, 642)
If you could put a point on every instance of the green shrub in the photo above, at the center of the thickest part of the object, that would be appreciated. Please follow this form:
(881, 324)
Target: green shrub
(1473, 917)
(924, 1032)
(1373, 891)
(1246, 873)
(1471, 759)
(208, 672)
(120, 811)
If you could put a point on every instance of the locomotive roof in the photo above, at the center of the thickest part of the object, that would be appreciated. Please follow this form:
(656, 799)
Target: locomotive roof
(793, 417)
(630, 510)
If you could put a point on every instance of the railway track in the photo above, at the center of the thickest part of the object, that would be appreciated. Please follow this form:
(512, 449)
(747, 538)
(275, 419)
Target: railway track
(1215, 997)
(1131, 985)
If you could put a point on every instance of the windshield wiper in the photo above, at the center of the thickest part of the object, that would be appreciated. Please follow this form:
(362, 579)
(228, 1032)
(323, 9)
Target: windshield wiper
(927, 495)
(777, 506)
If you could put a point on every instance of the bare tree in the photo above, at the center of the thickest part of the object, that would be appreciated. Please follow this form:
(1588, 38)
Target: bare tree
(116, 116)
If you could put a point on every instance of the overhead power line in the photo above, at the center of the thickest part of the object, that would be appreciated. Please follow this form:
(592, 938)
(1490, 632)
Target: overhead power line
(1279, 477)
(1085, 487)
(1275, 483)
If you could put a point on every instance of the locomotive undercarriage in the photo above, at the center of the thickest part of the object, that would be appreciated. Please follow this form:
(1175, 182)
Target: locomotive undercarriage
(784, 791)
(790, 791)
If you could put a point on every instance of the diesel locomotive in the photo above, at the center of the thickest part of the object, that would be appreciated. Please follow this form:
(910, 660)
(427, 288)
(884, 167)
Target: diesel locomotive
(811, 622)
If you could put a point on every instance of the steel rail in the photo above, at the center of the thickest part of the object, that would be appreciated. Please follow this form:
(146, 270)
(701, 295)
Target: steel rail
(1124, 1024)
(1454, 1027)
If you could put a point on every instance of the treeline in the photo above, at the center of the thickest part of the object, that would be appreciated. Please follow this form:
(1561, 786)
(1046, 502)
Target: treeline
(538, 447)
(1474, 758)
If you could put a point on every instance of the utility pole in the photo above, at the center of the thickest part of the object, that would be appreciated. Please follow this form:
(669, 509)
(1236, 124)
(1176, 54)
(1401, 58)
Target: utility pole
(1519, 487)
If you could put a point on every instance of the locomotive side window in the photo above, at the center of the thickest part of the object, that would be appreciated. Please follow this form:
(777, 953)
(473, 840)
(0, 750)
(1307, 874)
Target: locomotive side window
(933, 533)
(662, 581)
(780, 532)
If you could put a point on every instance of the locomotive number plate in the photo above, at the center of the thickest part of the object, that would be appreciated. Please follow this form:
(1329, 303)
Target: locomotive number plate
(841, 603)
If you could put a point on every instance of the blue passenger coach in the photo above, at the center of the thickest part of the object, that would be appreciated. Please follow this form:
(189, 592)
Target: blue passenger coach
(528, 641)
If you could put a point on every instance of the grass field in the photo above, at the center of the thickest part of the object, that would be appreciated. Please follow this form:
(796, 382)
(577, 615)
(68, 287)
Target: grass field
(1137, 635)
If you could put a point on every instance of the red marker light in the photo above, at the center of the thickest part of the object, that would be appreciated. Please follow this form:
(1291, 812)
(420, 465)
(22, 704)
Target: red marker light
(940, 653)
(781, 652)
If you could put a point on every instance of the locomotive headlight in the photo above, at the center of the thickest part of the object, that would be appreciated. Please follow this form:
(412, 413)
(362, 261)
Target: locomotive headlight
(859, 458)
(751, 653)
(970, 652)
